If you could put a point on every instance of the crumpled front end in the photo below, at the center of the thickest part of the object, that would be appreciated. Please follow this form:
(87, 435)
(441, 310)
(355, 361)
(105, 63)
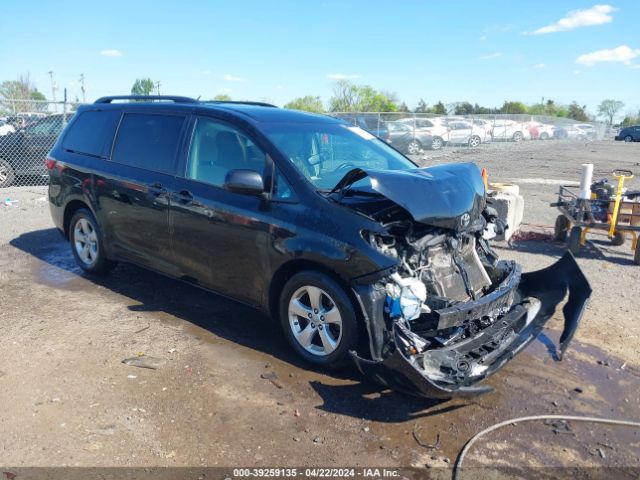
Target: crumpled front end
(436, 367)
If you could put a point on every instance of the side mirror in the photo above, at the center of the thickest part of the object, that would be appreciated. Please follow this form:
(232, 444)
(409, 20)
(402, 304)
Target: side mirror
(247, 182)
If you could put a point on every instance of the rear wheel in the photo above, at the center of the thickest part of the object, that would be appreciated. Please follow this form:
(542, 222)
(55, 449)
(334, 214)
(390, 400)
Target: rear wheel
(628, 138)
(636, 256)
(318, 319)
(86, 243)
(574, 240)
(414, 147)
(7, 174)
(436, 143)
(544, 136)
(474, 141)
(517, 137)
(561, 228)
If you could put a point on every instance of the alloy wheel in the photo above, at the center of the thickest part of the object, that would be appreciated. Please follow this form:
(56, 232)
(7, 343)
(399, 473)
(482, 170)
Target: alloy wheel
(436, 143)
(85, 241)
(315, 320)
(474, 141)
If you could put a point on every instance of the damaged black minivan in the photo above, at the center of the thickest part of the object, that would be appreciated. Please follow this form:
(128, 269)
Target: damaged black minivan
(363, 256)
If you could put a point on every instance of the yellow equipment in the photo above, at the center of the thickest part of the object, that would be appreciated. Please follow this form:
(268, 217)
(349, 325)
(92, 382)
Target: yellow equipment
(621, 175)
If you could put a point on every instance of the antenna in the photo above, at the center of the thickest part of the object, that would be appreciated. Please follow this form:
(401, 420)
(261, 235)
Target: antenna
(53, 90)
(82, 87)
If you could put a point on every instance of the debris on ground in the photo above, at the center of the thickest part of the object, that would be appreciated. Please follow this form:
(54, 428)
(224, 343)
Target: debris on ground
(272, 377)
(318, 440)
(142, 329)
(422, 443)
(144, 361)
(559, 427)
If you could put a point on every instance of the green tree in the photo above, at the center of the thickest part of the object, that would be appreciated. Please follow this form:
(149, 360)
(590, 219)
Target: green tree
(513, 107)
(17, 92)
(308, 103)
(222, 97)
(348, 97)
(438, 109)
(609, 108)
(142, 86)
(463, 108)
(403, 108)
(422, 107)
(481, 110)
(578, 112)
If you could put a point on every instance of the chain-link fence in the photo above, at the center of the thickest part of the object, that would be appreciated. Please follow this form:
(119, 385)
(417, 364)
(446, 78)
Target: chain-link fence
(413, 133)
(28, 130)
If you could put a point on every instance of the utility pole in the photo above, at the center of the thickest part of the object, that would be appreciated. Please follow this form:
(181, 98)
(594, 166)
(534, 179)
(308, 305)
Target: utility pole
(82, 87)
(158, 87)
(53, 90)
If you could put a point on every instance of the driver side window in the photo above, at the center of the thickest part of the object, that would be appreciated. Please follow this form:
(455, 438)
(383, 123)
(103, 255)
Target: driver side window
(216, 148)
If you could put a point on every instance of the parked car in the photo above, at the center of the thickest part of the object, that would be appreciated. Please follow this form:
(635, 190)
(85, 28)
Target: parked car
(509, 130)
(6, 128)
(540, 131)
(486, 125)
(436, 127)
(629, 134)
(461, 132)
(573, 132)
(371, 123)
(23, 151)
(362, 256)
(408, 140)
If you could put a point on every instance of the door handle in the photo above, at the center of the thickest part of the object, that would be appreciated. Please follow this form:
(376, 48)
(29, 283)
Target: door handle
(156, 189)
(185, 196)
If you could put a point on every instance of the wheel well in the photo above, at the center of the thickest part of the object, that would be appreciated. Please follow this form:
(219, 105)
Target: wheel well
(72, 207)
(286, 271)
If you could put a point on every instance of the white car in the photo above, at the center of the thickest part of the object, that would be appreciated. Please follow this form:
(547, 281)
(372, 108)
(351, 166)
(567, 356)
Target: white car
(448, 130)
(435, 126)
(510, 130)
(6, 129)
(540, 131)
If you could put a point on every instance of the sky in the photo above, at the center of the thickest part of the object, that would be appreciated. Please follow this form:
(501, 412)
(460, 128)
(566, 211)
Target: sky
(481, 51)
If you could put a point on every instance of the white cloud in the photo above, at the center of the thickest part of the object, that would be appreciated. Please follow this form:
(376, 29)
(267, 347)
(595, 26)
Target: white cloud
(539, 65)
(224, 90)
(111, 53)
(596, 15)
(623, 54)
(577, 72)
(483, 37)
(205, 72)
(490, 56)
(635, 67)
(342, 76)
(232, 78)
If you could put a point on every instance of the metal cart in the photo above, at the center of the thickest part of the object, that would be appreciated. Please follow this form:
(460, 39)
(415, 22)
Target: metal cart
(579, 216)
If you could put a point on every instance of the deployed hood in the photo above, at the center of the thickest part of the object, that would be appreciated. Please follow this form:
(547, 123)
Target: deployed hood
(449, 196)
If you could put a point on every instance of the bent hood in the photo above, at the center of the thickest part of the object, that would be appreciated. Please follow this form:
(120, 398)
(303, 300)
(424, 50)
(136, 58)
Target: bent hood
(448, 196)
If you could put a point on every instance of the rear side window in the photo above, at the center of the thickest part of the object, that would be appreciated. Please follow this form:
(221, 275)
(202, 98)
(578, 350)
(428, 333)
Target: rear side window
(92, 133)
(148, 141)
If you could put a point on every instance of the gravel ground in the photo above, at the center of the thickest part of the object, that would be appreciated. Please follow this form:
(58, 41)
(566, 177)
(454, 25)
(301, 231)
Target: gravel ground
(227, 391)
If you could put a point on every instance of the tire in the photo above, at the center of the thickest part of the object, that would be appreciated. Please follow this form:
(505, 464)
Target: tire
(618, 239)
(7, 174)
(561, 229)
(628, 139)
(414, 147)
(330, 336)
(574, 240)
(544, 136)
(436, 143)
(475, 141)
(87, 246)
(636, 256)
(517, 137)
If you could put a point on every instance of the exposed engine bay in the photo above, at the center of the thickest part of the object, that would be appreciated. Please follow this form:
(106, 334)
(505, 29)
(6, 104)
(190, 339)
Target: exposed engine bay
(450, 310)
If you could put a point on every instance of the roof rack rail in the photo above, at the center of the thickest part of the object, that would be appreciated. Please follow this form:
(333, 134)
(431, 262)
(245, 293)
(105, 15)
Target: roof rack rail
(173, 98)
(240, 102)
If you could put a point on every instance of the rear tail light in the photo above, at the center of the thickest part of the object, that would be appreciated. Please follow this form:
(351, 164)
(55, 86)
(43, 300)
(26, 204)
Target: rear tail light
(50, 163)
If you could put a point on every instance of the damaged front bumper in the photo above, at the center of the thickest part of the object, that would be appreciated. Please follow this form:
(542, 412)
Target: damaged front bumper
(454, 370)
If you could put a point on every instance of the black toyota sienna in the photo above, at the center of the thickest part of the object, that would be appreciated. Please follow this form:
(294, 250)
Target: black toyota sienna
(361, 255)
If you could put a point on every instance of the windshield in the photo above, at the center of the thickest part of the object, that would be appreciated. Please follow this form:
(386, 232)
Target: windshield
(325, 152)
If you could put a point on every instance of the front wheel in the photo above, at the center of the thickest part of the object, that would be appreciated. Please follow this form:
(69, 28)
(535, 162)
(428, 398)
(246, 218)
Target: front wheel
(561, 228)
(414, 147)
(618, 238)
(436, 143)
(574, 240)
(318, 319)
(7, 174)
(474, 141)
(86, 243)
(628, 139)
(544, 136)
(517, 137)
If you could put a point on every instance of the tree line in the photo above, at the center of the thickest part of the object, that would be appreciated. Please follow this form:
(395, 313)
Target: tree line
(350, 97)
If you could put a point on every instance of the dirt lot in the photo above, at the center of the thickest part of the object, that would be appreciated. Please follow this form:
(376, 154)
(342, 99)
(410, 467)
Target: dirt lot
(229, 392)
